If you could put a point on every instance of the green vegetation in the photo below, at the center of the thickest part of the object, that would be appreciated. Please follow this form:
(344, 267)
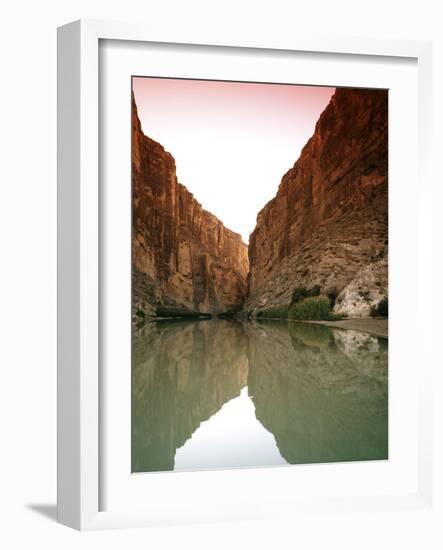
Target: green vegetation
(140, 314)
(300, 293)
(229, 313)
(333, 295)
(313, 308)
(139, 318)
(381, 309)
(181, 312)
(274, 313)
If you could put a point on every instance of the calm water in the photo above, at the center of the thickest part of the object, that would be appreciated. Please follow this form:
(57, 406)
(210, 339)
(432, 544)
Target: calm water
(223, 394)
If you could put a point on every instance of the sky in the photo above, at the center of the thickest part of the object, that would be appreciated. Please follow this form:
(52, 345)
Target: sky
(232, 141)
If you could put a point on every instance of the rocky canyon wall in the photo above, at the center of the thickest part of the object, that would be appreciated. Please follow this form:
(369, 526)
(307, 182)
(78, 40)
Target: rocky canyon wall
(183, 256)
(328, 223)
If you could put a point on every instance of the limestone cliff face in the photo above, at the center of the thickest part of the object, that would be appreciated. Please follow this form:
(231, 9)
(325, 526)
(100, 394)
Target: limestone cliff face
(183, 256)
(329, 218)
(366, 290)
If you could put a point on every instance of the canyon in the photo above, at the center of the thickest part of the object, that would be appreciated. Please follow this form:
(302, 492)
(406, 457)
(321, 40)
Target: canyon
(326, 227)
(254, 389)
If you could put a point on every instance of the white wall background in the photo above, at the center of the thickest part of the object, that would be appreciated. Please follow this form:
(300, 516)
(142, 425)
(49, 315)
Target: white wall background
(28, 270)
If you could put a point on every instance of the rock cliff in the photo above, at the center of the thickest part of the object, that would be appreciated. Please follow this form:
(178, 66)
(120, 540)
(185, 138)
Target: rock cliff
(329, 218)
(183, 256)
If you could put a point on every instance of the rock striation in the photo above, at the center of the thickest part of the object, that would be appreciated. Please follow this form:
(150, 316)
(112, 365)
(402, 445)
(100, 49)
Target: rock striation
(329, 218)
(183, 256)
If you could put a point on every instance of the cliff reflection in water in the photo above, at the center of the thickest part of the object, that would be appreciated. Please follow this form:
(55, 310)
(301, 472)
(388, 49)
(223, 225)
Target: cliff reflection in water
(321, 393)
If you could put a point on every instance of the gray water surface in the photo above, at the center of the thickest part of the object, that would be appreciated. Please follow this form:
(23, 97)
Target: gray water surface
(226, 394)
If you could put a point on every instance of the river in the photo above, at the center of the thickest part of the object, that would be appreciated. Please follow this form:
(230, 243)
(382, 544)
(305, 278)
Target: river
(227, 394)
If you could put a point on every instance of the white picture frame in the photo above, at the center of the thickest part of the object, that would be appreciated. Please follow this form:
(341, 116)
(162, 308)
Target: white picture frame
(80, 368)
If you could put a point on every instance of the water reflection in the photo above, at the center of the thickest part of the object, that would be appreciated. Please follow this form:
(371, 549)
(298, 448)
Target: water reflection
(220, 394)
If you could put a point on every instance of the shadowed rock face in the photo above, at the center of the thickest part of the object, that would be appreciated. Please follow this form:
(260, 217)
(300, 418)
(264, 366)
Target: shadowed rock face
(329, 218)
(182, 254)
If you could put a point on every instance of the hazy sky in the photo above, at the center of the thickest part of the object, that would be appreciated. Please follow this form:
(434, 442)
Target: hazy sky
(232, 141)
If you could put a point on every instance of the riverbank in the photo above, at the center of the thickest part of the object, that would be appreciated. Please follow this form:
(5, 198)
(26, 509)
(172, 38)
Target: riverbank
(377, 326)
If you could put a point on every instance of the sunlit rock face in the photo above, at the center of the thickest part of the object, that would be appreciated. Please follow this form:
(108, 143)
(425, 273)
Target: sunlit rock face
(329, 218)
(182, 254)
(365, 292)
(183, 373)
(322, 393)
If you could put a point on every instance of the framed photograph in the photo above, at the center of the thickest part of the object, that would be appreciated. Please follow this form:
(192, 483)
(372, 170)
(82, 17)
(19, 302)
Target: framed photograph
(238, 231)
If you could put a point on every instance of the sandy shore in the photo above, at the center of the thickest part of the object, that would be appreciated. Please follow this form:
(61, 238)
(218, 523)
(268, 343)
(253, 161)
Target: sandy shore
(377, 326)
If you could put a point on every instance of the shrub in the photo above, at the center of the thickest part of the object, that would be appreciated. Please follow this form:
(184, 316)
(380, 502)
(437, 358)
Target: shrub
(139, 318)
(312, 308)
(228, 314)
(383, 307)
(380, 309)
(273, 313)
(140, 313)
(333, 295)
(314, 291)
(300, 293)
(182, 312)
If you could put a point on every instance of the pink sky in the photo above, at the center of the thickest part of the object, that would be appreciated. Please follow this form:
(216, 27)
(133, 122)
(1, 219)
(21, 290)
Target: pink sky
(232, 141)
